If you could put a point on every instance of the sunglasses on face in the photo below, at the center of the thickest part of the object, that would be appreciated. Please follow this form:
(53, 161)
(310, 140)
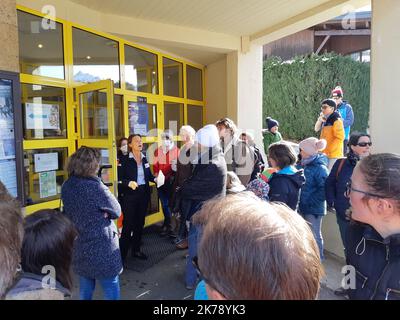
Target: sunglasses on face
(350, 189)
(364, 144)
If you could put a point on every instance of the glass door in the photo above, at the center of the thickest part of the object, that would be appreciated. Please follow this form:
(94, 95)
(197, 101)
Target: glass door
(96, 127)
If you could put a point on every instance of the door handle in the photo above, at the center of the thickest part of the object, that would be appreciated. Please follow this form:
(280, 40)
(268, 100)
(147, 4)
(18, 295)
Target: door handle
(105, 166)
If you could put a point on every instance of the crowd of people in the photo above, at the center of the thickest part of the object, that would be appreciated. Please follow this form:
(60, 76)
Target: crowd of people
(252, 227)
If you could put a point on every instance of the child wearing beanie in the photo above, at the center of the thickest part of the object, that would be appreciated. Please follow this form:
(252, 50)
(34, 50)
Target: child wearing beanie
(271, 135)
(312, 206)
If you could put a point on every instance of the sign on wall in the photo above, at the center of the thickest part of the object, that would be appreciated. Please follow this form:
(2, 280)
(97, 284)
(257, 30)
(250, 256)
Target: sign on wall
(42, 116)
(138, 116)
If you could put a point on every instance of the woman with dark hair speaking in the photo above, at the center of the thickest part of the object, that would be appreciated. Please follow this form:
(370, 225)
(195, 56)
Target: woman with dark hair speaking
(134, 176)
(92, 207)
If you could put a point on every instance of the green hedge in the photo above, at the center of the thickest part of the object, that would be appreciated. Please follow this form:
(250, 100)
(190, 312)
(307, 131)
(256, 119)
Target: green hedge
(294, 90)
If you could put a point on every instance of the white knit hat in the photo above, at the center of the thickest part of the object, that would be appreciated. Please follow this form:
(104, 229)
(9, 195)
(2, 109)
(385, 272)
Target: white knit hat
(208, 136)
(312, 145)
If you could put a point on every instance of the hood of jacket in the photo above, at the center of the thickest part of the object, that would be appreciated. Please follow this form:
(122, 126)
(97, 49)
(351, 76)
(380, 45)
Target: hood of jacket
(291, 173)
(30, 282)
(332, 118)
(319, 160)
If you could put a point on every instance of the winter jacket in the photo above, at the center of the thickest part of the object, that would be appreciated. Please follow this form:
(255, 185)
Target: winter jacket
(312, 196)
(163, 162)
(30, 287)
(90, 205)
(240, 158)
(285, 186)
(270, 138)
(376, 262)
(208, 179)
(346, 112)
(335, 186)
(333, 132)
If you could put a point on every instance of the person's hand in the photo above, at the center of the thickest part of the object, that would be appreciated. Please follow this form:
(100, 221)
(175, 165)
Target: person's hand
(322, 117)
(133, 185)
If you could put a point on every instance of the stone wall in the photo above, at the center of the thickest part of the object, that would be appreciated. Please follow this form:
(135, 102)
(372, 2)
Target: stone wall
(8, 36)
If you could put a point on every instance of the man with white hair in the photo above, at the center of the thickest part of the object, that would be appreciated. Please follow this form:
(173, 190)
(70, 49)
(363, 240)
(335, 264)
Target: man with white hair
(207, 181)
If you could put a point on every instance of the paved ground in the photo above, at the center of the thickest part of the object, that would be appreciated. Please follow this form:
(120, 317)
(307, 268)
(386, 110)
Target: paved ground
(165, 281)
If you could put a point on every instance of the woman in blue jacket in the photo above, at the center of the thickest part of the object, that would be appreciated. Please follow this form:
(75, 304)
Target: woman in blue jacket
(284, 184)
(312, 204)
(91, 207)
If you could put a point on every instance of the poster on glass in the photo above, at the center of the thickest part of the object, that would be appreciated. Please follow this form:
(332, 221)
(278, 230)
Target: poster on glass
(138, 116)
(7, 138)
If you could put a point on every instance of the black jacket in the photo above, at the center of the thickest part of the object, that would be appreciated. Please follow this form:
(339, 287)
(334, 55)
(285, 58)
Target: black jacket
(335, 186)
(376, 262)
(286, 188)
(208, 179)
(127, 171)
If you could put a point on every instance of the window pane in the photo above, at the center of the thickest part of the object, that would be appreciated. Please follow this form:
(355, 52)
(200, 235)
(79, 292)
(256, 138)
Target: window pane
(194, 83)
(142, 118)
(94, 117)
(40, 46)
(140, 70)
(95, 58)
(44, 174)
(173, 79)
(43, 111)
(173, 116)
(195, 116)
(8, 169)
(118, 116)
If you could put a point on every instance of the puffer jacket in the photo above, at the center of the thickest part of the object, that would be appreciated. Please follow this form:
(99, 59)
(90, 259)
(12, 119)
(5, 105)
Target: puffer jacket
(285, 186)
(376, 262)
(333, 132)
(347, 114)
(312, 196)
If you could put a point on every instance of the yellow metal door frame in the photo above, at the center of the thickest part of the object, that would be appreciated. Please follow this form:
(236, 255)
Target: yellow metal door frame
(109, 143)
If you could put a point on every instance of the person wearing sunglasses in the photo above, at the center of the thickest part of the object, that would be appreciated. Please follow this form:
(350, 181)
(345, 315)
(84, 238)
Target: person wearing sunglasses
(373, 240)
(335, 187)
(254, 250)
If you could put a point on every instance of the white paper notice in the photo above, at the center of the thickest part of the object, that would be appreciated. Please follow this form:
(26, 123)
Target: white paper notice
(46, 162)
(160, 179)
(42, 116)
(47, 184)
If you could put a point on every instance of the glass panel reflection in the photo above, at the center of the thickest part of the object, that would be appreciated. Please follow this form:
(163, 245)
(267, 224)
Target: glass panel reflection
(45, 172)
(140, 70)
(43, 112)
(194, 83)
(195, 116)
(95, 58)
(142, 118)
(173, 116)
(173, 78)
(40, 46)
(94, 118)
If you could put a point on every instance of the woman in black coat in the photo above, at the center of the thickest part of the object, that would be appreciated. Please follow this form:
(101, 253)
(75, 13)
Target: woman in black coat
(134, 175)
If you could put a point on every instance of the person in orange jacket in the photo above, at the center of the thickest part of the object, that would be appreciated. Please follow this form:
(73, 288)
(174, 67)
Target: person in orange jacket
(164, 157)
(330, 124)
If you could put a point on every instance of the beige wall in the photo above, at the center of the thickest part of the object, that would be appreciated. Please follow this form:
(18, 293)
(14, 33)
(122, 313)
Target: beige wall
(331, 235)
(216, 91)
(8, 36)
(385, 69)
(244, 90)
